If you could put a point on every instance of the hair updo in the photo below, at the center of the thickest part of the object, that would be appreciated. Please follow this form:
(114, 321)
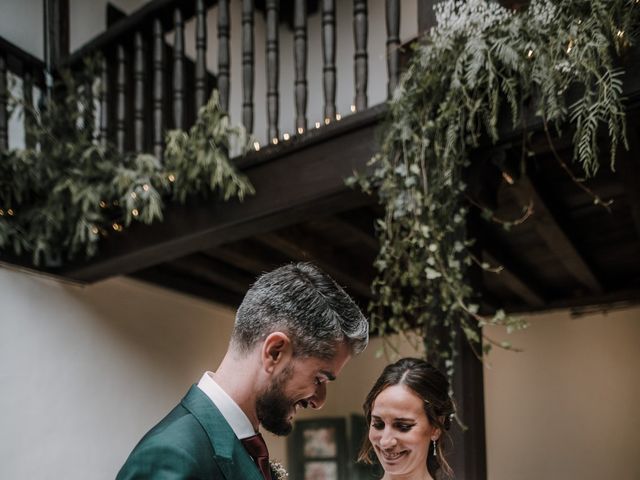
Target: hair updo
(432, 386)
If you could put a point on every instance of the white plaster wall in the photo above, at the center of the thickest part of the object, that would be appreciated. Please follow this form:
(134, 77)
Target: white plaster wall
(566, 407)
(85, 372)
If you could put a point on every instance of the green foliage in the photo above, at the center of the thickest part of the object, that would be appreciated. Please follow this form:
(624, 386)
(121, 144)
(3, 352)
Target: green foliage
(59, 198)
(479, 57)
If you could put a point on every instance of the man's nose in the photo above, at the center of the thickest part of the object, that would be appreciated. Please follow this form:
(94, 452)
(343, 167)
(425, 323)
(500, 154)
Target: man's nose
(319, 397)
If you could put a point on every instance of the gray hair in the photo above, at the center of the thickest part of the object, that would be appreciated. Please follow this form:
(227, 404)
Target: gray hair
(306, 304)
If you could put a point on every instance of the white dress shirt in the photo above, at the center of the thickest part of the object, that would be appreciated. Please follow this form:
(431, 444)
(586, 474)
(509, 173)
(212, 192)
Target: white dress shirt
(229, 409)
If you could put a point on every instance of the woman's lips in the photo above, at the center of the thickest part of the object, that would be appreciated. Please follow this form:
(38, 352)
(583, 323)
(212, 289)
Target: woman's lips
(391, 456)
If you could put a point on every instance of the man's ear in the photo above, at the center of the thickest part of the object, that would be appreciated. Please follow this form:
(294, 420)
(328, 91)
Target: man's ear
(276, 351)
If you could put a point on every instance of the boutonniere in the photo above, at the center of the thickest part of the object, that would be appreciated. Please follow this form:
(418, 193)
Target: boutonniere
(278, 472)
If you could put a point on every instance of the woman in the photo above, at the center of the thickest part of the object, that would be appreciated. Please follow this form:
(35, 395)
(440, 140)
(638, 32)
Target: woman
(408, 410)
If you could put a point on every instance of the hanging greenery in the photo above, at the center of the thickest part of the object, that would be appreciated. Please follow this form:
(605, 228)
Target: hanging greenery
(59, 197)
(479, 57)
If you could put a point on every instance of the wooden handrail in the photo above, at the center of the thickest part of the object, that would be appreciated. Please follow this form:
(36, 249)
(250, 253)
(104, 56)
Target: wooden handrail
(139, 20)
(20, 61)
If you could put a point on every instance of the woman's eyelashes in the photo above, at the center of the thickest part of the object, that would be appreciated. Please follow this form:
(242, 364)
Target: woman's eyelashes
(400, 426)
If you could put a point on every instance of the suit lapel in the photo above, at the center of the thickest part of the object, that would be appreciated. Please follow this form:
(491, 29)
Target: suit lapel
(231, 456)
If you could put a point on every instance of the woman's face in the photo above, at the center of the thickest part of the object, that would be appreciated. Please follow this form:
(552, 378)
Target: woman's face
(400, 431)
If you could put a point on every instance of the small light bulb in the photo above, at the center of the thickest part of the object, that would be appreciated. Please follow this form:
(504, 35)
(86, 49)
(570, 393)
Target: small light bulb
(353, 108)
(135, 212)
(171, 177)
(256, 146)
(134, 195)
(11, 212)
(103, 204)
(507, 178)
(317, 124)
(338, 117)
(95, 230)
(145, 187)
(286, 136)
(1, 213)
(300, 130)
(530, 54)
(274, 140)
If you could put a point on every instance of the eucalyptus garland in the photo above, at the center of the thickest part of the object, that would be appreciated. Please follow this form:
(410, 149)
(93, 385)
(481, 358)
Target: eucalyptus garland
(479, 57)
(59, 197)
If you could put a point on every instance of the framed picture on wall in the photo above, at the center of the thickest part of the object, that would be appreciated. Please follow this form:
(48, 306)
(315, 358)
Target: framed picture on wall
(318, 449)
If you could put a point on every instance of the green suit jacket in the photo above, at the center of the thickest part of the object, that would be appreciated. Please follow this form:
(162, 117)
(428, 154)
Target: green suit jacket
(193, 442)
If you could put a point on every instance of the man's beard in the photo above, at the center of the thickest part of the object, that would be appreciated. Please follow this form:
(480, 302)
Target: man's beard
(273, 407)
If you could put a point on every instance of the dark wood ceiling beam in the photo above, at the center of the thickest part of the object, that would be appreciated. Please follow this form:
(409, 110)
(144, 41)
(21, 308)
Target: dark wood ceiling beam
(337, 265)
(166, 277)
(300, 180)
(214, 272)
(554, 236)
(512, 281)
(248, 255)
(362, 237)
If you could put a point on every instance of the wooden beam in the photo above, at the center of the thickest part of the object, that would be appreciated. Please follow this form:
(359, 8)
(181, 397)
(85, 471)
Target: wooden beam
(248, 255)
(295, 244)
(214, 272)
(166, 277)
(513, 281)
(300, 180)
(554, 236)
(364, 238)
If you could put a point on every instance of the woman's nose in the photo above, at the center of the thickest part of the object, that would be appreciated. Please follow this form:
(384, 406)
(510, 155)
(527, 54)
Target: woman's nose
(387, 439)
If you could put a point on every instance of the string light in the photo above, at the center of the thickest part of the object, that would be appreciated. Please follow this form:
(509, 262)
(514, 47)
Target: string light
(317, 124)
(274, 140)
(256, 146)
(135, 212)
(116, 203)
(103, 204)
(327, 121)
(286, 136)
(1, 213)
(11, 212)
(134, 195)
(353, 108)
(145, 187)
(570, 46)
(116, 226)
(620, 34)
(95, 230)
(171, 177)
(530, 53)
(300, 130)
(507, 178)
(338, 117)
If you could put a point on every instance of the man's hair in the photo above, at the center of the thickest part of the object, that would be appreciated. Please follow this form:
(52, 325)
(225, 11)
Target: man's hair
(306, 304)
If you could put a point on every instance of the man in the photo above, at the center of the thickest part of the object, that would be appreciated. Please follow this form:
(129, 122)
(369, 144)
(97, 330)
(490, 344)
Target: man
(294, 331)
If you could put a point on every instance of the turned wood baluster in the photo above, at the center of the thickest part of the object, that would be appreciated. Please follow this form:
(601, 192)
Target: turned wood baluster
(178, 70)
(4, 115)
(393, 44)
(360, 33)
(104, 103)
(138, 76)
(329, 56)
(223, 53)
(247, 64)
(300, 53)
(120, 98)
(158, 90)
(273, 70)
(201, 55)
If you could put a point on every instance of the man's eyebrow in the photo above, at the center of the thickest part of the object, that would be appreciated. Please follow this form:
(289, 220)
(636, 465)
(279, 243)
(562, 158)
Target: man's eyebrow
(330, 376)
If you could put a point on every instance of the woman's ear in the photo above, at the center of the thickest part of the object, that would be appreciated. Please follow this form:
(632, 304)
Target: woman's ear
(276, 351)
(435, 435)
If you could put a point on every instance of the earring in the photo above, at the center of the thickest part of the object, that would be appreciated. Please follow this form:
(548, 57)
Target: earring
(435, 454)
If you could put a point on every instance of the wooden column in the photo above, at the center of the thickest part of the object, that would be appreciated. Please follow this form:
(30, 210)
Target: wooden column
(300, 55)
(121, 104)
(158, 88)
(104, 101)
(178, 70)
(139, 86)
(201, 92)
(56, 37)
(360, 32)
(329, 56)
(393, 44)
(247, 64)
(273, 69)
(223, 53)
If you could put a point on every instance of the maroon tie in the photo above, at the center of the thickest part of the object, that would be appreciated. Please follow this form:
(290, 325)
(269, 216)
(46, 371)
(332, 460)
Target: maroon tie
(256, 447)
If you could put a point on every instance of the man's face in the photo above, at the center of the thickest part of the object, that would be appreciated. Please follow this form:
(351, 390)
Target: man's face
(301, 384)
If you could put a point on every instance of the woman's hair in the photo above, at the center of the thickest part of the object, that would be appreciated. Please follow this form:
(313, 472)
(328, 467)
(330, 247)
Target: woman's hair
(432, 387)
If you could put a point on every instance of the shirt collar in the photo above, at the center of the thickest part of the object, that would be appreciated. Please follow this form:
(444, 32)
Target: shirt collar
(229, 409)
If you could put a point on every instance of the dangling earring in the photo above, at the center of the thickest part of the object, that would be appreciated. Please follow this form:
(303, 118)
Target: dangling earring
(435, 454)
